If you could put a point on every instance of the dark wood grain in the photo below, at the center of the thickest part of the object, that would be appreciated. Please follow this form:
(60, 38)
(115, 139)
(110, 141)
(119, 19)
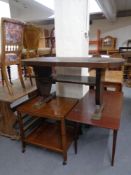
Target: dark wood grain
(55, 136)
(75, 79)
(95, 62)
(48, 135)
(8, 105)
(110, 119)
(84, 110)
(57, 108)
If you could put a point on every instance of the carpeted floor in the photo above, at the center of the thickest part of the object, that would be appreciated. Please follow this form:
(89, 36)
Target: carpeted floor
(93, 158)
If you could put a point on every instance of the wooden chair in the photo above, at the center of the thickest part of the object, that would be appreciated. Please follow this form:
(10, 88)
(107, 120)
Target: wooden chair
(11, 48)
(108, 43)
(112, 78)
(31, 44)
(49, 47)
(52, 42)
(43, 43)
(94, 45)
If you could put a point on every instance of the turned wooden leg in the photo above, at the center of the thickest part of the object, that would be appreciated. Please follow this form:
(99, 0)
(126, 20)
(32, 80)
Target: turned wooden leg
(9, 73)
(20, 76)
(114, 146)
(5, 77)
(29, 71)
(63, 135)
(2, 77)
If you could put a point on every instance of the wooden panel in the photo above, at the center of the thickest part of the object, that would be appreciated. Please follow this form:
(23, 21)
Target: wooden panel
(7, 111)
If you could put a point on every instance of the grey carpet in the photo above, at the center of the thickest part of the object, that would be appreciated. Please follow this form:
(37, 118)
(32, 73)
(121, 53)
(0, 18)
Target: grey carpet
(93, 158)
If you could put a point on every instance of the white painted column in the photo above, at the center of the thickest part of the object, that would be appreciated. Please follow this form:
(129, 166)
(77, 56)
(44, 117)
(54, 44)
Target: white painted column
(71, 23)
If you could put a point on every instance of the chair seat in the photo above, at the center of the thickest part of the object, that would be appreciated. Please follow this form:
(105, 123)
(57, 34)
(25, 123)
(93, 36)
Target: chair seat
(45, 51)
(115, 76)
(31, 52)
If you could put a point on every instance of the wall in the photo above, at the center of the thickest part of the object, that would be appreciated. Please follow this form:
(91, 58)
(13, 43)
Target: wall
(121, 29)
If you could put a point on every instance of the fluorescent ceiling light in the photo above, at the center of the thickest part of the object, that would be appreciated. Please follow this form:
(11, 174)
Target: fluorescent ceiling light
(109, 9)
(4, 9)
(94, 7)
(47, 3)
(52, 16)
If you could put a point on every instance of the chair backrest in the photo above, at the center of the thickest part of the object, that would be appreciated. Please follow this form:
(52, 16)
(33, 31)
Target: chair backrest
(12, 41)
(94, 45)
(52, 40)
(108, 43)
(43, 42)
(31, 37)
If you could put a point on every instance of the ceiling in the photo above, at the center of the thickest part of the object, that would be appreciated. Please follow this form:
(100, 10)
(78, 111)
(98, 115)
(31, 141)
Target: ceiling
(29, 10)
(115, 8)
(123, 4)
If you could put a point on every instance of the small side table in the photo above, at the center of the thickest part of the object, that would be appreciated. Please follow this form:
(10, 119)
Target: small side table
(110, 116)
(54, 135)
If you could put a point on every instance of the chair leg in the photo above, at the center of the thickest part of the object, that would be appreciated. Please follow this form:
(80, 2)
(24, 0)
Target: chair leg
(2, 77)
(29, 73)
(20, 76)
(9, 73)
(5, 77)
(31, 80)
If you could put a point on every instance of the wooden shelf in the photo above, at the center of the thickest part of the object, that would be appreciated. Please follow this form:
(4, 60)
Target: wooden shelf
(75, 79)
(48, 135)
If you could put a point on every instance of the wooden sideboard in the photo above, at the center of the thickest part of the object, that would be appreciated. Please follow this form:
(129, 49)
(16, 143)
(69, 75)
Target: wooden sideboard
(8, 104)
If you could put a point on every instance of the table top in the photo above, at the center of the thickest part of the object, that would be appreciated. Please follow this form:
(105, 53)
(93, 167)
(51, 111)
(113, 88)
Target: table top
(126, 54)
(56, 108)
(91, 62)
(83, 111)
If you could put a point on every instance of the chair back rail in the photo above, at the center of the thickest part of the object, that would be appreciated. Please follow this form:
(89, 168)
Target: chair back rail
(11, 48)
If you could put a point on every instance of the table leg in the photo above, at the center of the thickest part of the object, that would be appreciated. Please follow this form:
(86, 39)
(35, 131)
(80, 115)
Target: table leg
(63, 137)
(98, 96)
(114, 146)
(77, 132)
(21, 131)
(98, 87)
(43, 80)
